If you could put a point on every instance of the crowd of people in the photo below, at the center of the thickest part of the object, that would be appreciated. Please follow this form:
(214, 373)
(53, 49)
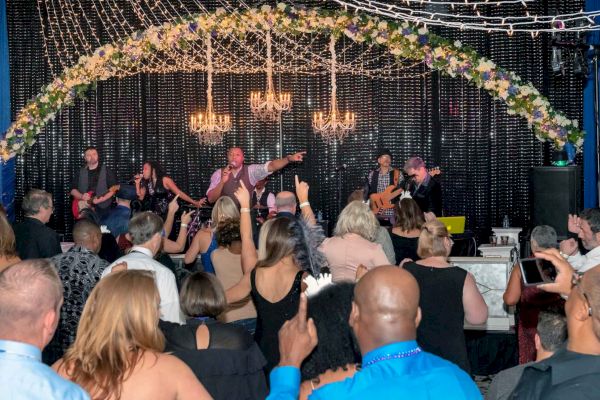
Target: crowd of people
(274, 308)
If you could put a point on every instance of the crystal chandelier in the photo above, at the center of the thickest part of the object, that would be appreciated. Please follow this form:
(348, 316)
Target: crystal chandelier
(333, 127)
(270, 106)
(209, 126)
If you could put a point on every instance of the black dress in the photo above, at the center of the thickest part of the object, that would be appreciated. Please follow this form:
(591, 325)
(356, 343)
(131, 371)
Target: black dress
(405, 247)
(270, 317)
(232, 365)
(441, 329)
(157, 198)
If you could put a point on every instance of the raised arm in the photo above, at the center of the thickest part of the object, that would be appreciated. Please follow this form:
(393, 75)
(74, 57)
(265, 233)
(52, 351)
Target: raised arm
(476, 311)
(302, 193)
(169, 184)
(170, 246)
(171, 210)
(280, 163)
(249, 255)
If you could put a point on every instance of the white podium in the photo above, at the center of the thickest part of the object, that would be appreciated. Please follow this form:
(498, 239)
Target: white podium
(491, 275)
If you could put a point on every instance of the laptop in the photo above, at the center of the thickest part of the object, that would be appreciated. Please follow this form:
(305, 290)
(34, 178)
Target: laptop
(455, 225)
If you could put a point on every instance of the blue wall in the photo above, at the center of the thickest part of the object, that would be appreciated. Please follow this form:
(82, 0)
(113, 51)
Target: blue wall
(7, 171)
(590, 153)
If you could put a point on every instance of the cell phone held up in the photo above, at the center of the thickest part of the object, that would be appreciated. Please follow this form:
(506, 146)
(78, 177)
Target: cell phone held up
(536, 271)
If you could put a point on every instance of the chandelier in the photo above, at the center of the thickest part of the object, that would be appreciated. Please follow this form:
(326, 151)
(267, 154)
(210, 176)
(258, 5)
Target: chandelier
(209, 126)
(333, 127)
(270, 106)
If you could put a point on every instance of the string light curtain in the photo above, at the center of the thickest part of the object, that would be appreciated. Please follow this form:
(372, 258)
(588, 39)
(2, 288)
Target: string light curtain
(484, 154)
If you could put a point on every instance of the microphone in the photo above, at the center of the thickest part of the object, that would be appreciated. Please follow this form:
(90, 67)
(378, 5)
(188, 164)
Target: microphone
(341, 167)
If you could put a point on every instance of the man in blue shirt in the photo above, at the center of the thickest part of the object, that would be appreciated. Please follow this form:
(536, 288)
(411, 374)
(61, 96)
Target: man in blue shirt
(384, 318)
(117, 219)
(31, 295)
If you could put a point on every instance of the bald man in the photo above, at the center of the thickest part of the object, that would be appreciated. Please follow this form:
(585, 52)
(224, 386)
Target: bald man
(384, 317)
(79, 269)
(286, 204)
(225, 181)
(573, 372)
(30, 299)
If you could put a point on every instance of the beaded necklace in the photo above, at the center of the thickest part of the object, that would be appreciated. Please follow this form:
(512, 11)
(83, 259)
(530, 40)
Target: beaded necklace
(403, 354)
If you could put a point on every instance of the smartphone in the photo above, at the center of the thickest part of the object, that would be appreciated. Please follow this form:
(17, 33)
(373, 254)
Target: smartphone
(536, 271)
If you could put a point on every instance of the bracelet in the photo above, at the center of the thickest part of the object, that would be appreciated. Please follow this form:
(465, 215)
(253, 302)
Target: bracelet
(244, 209)
(288, 158)
(184, 225)
(305, 204)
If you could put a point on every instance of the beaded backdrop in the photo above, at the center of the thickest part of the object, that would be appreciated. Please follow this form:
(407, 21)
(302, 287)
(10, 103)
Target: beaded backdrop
(484, 153)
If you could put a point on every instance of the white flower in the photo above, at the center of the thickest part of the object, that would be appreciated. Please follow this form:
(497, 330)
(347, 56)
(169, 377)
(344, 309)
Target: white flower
(575, 123)
(422, 31)
(266, 8)
(16, 146)
(458, 44)
(412, 38)
(382, 26)
(281, 6)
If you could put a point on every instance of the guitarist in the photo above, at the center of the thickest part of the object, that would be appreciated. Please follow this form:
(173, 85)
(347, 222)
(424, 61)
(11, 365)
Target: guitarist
(378, 181)
(423, 188)
(94, 178)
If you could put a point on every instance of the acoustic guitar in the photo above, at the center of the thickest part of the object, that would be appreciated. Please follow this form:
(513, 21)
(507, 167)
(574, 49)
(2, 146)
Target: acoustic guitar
(78, 205)
(383, 200)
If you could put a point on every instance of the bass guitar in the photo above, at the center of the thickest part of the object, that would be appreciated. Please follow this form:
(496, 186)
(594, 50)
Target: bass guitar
(383, 200)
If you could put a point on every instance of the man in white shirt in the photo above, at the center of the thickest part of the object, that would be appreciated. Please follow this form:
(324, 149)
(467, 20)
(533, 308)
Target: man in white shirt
(146, 234)
(587, 228)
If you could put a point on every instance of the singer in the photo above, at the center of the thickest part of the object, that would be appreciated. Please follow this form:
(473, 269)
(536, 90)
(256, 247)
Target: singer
(226, 180)
(155, 189)
(379, 180)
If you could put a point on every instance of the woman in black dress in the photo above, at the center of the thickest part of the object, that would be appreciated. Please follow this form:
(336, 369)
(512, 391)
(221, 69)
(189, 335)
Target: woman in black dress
(449, 296)
(224, 357)
(406, 231)
(275, 275)
(156, 190)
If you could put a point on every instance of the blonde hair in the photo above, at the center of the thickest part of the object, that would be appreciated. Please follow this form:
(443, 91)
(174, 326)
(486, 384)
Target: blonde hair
(357, 218)
(431, 240)
(7, 238)
(224, 208)
(118, 324)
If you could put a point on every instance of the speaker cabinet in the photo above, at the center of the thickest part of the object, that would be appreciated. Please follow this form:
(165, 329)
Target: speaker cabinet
(555, 193)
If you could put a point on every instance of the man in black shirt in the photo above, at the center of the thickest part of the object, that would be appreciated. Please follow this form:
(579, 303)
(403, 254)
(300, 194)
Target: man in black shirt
(573, 372)
(94, 178)
(34, 239)
(425, 190)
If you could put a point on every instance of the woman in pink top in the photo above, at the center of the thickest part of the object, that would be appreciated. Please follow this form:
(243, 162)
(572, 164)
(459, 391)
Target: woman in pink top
(352, 244)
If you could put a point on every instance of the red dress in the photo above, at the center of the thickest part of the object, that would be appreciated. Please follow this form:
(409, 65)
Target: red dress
(532, 301)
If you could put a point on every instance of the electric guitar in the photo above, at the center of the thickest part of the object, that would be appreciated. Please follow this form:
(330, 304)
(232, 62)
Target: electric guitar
(78, 205)
(383, 200)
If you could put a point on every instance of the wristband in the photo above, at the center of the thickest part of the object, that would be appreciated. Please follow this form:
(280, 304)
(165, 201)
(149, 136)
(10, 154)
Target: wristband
(244, 209)
(184, 225)
(305, 204)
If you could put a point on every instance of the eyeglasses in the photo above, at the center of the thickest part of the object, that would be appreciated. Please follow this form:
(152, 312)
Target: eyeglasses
(576, 283)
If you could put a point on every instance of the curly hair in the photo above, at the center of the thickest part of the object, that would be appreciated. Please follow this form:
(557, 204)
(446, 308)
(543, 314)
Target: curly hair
(330, 309)
(228, 231)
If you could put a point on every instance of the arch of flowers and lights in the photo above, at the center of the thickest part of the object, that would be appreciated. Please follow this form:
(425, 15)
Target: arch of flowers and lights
(401, 39)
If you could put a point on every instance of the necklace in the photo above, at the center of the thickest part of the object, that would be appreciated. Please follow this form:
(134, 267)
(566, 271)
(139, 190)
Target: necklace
(403, 354)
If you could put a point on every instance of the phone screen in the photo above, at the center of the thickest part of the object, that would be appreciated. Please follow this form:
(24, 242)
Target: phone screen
(530, 272)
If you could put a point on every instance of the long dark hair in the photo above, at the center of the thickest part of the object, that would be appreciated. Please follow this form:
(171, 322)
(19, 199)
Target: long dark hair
(408, 215)
(155, 168)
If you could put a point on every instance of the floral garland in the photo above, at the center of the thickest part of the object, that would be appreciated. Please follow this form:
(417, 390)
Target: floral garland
(403, 40)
